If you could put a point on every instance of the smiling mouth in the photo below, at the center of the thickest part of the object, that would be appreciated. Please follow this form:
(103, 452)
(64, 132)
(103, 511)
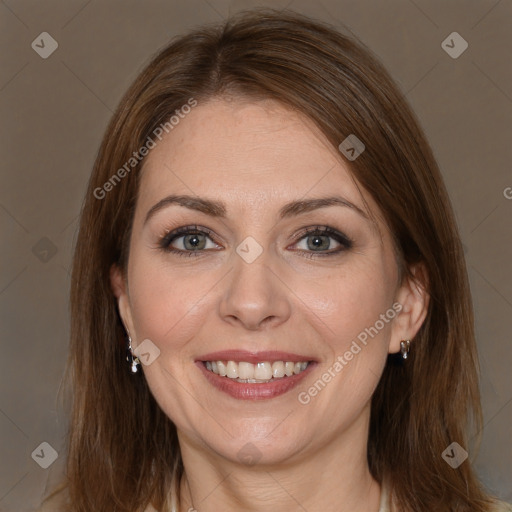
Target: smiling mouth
(261, 372)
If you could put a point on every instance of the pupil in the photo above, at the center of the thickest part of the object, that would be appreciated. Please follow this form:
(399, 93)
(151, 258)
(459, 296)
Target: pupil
(194, 241)
(317, 242)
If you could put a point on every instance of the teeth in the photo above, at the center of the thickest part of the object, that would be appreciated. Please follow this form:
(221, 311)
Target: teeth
(232, 370)
(221, 367)
(278, 369)
(263, 371)
(245, 371)
(256, 373)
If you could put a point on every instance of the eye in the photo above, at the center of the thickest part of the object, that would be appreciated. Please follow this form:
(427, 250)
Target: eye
(193, 240)
(187, 241)
(318, 240)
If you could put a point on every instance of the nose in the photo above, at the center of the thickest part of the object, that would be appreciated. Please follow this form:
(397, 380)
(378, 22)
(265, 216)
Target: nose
(255, 297)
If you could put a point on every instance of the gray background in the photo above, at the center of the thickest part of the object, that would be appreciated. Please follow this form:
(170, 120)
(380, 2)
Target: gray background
(54, 112)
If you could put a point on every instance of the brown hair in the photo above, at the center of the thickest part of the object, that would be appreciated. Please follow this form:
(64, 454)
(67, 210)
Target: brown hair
(123, 451)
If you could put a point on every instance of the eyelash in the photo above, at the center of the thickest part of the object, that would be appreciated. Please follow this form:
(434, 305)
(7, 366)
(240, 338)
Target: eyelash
(342, 239)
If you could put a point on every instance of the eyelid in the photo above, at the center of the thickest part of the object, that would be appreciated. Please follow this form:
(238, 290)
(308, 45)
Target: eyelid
(345, 242)
(170, 236)
(324, 230)
(166, 240)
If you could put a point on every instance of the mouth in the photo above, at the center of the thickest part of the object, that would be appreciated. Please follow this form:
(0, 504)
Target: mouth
(255, 376)
(261, 372)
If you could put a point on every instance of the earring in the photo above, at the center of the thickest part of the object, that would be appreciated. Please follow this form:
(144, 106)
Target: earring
(134, 362)
(405, 346)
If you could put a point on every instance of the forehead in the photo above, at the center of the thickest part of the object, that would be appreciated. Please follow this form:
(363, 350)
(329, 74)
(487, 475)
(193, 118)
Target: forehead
(250, 154)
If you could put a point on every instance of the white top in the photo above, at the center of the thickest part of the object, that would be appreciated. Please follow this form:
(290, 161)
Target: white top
(56, 504)
(385, 506)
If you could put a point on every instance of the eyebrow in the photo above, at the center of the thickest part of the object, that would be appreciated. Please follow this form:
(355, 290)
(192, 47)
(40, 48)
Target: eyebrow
(216, 208)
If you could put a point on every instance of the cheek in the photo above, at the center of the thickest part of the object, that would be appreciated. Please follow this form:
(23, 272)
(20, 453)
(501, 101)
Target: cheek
(347, 314)
(166, 304)
(348, 301)
(170, 303)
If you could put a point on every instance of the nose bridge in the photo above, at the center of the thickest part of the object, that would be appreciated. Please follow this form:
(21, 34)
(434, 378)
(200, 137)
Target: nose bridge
(252, 269)
(254, 295)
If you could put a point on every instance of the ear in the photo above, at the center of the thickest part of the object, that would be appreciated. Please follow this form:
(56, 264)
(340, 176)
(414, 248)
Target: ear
(119, 287)
(413, 297)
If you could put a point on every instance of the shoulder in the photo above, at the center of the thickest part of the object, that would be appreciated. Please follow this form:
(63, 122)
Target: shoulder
(55, 502)
(501, 506)
(387, 505)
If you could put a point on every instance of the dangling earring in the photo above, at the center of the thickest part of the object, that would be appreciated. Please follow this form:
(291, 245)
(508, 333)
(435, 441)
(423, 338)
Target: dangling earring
(134, 362)
(405, 346)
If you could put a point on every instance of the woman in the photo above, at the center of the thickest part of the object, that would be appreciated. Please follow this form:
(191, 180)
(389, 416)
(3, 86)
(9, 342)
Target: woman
(268, 234)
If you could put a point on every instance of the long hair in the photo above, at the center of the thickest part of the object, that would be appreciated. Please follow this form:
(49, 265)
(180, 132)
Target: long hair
(123, 452)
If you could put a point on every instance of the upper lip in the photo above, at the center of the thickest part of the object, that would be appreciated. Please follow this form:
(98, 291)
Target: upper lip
(254, 357)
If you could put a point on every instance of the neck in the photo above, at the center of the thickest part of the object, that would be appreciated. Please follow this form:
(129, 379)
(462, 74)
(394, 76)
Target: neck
(256, 492)
(335, 477)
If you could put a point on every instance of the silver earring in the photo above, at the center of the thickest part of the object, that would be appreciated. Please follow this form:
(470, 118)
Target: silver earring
(134, 362)
(405, 346)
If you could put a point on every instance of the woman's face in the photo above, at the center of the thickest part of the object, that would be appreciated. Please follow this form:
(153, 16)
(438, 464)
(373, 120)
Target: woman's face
(252, 283)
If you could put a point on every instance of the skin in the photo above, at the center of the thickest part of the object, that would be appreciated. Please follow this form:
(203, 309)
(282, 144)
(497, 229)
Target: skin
(255, 157)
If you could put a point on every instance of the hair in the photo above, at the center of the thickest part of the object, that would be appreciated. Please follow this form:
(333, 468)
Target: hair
(123, 451)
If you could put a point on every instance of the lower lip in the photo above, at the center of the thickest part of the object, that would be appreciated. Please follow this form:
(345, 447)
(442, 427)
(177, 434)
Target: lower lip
(248, 391)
